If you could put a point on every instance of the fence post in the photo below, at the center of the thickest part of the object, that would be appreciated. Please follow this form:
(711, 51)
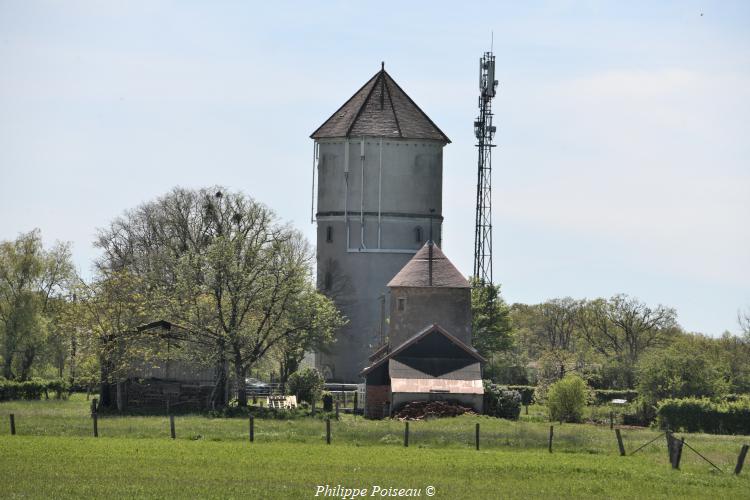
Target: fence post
(94, 404)
(670, 444)
(337, 409)
(171, 426)
(551, 433)
(476, 435)
(312, 409)
(356, 400)
(740, 458)
(619, 442)
(677, 452)
(611, 420)
(252, 428)
(328, 430)
(13, 425)
(406, 434)
(96, 425)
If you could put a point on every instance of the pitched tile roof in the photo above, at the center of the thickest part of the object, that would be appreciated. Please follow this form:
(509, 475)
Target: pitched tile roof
(380, 109)
(434, 328)
(416, 272)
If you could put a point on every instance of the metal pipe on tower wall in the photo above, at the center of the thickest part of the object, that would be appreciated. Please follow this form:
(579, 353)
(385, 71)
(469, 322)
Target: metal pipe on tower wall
(362, 196)
(346, 190)
(380, 188)
(316, 153)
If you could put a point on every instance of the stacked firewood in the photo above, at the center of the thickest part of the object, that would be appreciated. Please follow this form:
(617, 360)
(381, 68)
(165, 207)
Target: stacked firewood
(419, 410)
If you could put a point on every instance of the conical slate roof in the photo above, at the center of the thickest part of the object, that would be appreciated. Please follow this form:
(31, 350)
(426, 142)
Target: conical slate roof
(416, 272)
(380, 109)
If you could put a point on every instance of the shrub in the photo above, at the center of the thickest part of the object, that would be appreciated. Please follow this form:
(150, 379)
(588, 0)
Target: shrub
(704, 415)
(526, 392)
(307, 384)
(31, 389)
(327, 401)
(566, 399)
(640, 412)
(501, 403)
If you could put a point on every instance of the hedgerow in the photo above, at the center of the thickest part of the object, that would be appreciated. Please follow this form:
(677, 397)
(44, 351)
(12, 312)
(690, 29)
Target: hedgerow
(32, 389)
(705, 415)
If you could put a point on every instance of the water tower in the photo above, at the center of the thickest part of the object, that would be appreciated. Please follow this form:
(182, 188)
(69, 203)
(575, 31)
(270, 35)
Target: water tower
(379, 166)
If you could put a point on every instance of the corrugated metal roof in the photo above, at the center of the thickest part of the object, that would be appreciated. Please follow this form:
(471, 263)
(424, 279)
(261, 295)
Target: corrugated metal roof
(413, 385)
(416, 272)
(380, 109)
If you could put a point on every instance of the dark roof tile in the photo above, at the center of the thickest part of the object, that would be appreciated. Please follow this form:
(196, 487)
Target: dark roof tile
(416, 272)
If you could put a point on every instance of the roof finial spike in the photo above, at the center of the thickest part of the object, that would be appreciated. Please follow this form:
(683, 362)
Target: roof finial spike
(382, 65)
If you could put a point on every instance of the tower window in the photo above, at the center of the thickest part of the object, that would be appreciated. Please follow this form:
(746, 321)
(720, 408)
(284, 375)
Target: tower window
(402, 304)
(418, 234)
(329, 234)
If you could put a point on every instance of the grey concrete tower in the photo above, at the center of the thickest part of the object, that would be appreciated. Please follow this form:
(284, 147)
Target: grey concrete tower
(379, 161)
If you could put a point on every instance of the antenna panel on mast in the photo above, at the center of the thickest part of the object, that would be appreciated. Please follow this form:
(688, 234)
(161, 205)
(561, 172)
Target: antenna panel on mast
(484, 131)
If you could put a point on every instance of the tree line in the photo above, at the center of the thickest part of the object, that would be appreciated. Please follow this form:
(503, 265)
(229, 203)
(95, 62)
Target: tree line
(219, 265)
(617, 343)
(237, 284)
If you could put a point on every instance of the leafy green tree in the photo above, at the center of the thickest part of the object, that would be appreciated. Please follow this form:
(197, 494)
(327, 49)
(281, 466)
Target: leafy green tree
(311, 321)
(567, 399)
(31, 279)
(735, 351)
(491, 324)
(307, 384)
(623, 328)
(689, 367)
(110, 310)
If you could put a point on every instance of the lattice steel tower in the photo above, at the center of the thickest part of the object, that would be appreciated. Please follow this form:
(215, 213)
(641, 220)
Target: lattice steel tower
(484, 131)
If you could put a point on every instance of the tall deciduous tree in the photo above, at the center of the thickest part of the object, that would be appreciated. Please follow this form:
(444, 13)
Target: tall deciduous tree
(624, 328)
(31, 278)
(110, 309)
(490, 321)
(223, 267)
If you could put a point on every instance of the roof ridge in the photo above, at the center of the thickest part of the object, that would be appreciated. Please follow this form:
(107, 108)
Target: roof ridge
(378, 76)
(393, 108)
(415, 272)
(347, 102)
(445, 137)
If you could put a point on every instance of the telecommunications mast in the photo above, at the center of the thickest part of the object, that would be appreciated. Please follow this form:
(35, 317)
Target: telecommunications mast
(484, 131)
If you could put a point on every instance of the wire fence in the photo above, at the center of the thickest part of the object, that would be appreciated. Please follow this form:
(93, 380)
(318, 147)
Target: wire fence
(480, 433)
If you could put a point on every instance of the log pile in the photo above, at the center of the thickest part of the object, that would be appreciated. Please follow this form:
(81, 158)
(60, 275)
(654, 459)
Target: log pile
(419, 410)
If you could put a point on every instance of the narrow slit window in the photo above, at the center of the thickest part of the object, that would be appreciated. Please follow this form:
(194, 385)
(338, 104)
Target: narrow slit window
(329, 234)
(418, 234)
(402, 304)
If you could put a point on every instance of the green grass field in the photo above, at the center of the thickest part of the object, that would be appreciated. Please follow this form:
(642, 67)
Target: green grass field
(54, 455)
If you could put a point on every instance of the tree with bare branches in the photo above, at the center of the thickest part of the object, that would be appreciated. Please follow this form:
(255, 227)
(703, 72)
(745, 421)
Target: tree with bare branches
(222, 266)
(622, 328)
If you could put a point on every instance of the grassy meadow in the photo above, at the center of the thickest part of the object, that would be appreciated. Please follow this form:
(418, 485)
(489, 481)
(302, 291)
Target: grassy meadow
(55, 455)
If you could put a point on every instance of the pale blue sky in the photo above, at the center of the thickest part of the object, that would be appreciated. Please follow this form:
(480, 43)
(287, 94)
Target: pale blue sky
(623, 162)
